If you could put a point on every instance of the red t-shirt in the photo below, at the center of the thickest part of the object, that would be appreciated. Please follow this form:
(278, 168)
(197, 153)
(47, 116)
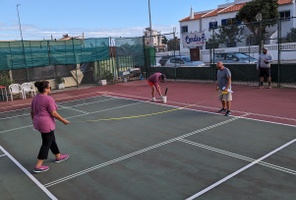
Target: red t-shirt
(155, 78)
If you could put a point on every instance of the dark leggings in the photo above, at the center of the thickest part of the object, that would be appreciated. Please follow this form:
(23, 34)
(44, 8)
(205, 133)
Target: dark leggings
(48, 142)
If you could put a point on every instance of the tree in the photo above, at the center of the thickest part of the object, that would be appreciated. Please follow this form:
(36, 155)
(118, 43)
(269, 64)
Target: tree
(269, 11)
(230, 34)
(212, 42)
(5, 78)
(174, 44)
(291, 36)
(164, 40)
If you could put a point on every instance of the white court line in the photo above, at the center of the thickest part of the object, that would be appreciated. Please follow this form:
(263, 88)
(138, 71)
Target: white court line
(88, 103)
(239, 171)
(238, 111)
(14, 116)
(135, 153)
(181, 136)
(104, 110)
(238, 156)
(272, 116)
(2, 155)
(138, 102)
(82, 97)
(209, 107)
(60, 105)
(17, 128)
(44, 189)
(245, 114)
(73, 109)
(270, 122)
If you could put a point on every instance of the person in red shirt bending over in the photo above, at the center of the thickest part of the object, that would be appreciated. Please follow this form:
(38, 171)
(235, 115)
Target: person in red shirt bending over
(153, 82)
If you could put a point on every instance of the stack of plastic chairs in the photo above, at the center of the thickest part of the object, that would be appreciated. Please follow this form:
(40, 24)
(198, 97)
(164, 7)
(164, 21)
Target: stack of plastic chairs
(28, 88)
(15, 89)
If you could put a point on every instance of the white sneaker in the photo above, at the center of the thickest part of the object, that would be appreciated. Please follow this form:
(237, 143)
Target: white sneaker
(153, 99)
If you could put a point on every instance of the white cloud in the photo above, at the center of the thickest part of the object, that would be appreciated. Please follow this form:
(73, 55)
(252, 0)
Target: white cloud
(31, 32)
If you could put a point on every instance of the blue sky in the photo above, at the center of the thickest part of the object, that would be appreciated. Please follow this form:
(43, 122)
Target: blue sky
(41, 19)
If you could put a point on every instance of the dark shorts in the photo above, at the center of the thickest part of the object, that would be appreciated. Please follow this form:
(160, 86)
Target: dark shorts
(265, 72)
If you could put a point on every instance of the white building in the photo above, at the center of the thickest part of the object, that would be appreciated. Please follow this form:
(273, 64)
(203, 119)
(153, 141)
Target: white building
(195, 29)
(154, 38)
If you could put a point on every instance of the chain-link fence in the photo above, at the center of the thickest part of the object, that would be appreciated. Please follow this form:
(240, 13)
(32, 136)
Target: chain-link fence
(279, 36)
(74, 62)
(227, 40)
(87, 61)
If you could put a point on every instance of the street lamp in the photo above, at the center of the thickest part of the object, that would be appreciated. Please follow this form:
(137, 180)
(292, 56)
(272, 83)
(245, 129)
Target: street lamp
(259, 19)
(150, 24)
(22, 41)
(19, 21)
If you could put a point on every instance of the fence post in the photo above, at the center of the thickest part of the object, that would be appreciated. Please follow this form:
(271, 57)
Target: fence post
(279, 50)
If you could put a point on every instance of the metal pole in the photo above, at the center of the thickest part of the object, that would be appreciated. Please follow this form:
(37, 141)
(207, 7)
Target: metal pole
(213, 45)
(259, 19)
(261, 44)
(174, 46)
(213, 54)
(19, 21)
(22, 40)
(279, 51)
(150, 24)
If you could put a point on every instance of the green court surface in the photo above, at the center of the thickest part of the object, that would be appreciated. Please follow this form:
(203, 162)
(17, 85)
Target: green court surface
(127, 149)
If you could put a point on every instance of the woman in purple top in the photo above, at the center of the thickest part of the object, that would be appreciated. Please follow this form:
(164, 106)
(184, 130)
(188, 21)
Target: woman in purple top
(43, 114)
(153, 82)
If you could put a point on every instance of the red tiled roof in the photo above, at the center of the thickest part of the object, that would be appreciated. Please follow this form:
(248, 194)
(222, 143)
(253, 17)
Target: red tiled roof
(237, 7)
(213, 13)
(232, 8)
(196, 16)
(281, 2)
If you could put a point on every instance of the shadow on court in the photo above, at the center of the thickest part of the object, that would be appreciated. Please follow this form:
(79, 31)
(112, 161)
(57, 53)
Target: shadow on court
(122, 148)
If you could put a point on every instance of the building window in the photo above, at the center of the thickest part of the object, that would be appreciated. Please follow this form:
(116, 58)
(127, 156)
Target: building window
(224, 22)
(184, 29)
(230, 21)
(213, 25)
(285, 15)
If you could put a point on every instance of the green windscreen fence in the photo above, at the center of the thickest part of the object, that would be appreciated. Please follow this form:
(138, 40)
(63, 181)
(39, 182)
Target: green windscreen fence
(130, 47)
(29, 54)
(23, 61)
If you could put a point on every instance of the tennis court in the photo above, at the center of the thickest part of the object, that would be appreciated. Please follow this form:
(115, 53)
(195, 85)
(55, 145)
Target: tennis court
(122, 146)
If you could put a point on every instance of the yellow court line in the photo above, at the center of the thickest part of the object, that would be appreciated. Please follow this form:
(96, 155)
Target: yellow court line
(144, 115)
(135, 116)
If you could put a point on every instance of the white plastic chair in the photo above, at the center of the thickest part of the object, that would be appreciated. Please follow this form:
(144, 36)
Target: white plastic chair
(28, 88)
(15, 89)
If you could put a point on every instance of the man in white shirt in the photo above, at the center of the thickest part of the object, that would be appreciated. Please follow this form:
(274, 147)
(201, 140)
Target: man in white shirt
(263, 65)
